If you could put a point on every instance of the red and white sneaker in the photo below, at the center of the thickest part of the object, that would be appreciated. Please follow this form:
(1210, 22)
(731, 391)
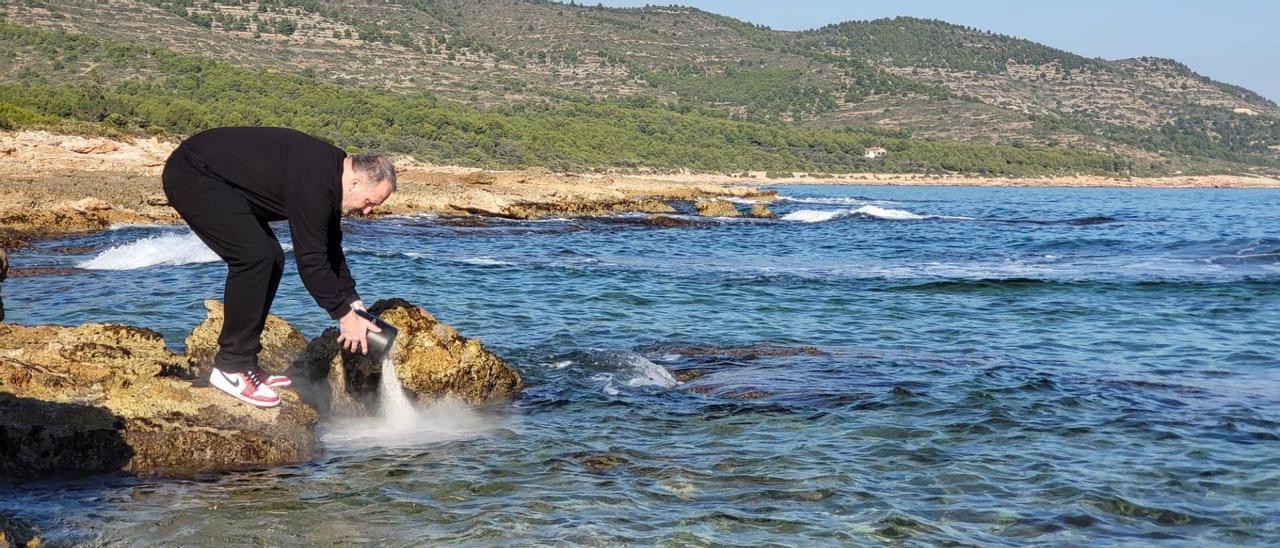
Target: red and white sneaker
(246, 387)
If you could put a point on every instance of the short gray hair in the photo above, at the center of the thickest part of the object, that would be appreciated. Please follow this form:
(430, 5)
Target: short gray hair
(375, 166)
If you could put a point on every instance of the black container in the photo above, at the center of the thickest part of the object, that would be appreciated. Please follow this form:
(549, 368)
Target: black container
(379, 342)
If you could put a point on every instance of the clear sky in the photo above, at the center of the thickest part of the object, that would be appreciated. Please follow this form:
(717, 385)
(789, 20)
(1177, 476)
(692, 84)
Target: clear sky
(1235, 41)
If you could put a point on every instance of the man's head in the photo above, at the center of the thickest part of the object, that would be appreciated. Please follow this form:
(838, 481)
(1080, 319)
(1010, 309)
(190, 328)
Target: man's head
(368, 179)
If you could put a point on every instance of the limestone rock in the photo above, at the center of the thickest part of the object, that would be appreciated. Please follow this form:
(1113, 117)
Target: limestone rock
(761, 211)
(717, 208)
(281, 343)
(101, 398)
(432, 360)
(92, 147)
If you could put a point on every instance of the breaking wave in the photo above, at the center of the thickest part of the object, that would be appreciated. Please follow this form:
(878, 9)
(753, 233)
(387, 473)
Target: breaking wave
(163, 250)
(877, 212)
(167, 249)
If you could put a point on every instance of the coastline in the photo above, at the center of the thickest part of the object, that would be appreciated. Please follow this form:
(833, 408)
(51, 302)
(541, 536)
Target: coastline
(53, 185)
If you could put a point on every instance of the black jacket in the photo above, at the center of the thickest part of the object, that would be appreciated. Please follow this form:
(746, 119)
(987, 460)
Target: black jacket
(287, 174)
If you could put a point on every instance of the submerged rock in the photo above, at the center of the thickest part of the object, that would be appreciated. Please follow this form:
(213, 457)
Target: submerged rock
(4, 273)
(761, 211)
(100, 398)
(717, 208)
(431, 359)
(281, 342)
(18, 532)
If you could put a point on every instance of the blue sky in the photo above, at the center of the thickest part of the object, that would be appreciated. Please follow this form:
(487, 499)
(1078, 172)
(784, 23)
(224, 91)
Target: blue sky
(1236, 41)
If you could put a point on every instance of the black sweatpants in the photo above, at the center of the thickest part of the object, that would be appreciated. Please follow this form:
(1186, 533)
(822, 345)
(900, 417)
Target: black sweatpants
(224, 221)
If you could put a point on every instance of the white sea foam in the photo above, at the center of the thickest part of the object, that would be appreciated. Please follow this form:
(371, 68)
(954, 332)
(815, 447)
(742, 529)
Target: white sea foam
(166, 249)
(814, 215)
(642, 372)
(402, 422)
(486, 261)
(163, 250)
(831, 201)
(820, 215)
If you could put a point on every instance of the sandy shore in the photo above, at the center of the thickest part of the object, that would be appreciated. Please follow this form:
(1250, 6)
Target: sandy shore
(61, 184)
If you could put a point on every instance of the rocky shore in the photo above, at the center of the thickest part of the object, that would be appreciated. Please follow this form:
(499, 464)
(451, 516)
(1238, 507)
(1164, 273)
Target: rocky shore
(97, 398)
(53, 185)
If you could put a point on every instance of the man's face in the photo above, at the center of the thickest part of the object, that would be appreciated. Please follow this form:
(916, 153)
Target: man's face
(362, 197)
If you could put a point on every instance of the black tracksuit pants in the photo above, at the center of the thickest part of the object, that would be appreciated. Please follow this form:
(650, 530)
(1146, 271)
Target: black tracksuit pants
(223, 219)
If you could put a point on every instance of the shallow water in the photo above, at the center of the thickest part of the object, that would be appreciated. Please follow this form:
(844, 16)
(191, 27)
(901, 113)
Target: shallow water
(987, 366)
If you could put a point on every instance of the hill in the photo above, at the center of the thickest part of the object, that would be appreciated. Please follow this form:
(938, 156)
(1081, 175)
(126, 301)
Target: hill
(883, 80)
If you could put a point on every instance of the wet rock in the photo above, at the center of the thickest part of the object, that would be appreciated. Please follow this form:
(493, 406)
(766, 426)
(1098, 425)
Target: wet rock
(602, 462)
(281, 343)
(761, 211)
(717, 208)
(667, 221)
(37, 271)
(101, 398)
(74, 249)
(432, 361)
(532, 210)
(320, 377)
(686, 375)
(4, 273)
(18, 532)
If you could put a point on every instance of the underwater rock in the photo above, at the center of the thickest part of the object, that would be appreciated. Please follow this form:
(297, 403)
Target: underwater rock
(432, 360)
(761, 211)
(717, 208)
(4, 273)
(18, 532)
(281, 343)
(102, 398)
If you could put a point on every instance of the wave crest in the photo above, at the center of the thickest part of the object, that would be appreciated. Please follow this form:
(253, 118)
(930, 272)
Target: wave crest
(166, 249)
(818, 215)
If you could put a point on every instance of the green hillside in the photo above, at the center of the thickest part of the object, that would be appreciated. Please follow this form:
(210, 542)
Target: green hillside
(994, 102)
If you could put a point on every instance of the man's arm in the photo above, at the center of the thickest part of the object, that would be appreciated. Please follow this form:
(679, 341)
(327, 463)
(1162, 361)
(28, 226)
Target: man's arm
(312, 217)
(338, 260)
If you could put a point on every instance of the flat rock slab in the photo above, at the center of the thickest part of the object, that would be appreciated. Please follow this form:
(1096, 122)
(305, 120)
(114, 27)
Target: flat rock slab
(101, 398)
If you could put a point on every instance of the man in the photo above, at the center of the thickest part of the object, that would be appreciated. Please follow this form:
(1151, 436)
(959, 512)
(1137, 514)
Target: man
(227, 184)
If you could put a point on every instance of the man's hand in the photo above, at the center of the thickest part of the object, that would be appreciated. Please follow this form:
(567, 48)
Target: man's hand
(354, 331)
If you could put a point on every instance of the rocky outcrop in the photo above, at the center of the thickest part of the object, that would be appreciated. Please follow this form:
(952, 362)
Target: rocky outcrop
(761, 211)
(431, 359)
(583, 209)
(281, 343)
(717, 208)
(103, 398)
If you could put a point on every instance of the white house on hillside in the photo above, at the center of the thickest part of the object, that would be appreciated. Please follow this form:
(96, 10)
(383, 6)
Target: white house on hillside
(875, 153)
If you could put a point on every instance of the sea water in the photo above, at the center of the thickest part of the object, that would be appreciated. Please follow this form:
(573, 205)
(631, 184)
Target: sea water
(912, 365)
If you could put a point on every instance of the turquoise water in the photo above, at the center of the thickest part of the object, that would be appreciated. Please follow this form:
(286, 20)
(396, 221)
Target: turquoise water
(882, 364)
